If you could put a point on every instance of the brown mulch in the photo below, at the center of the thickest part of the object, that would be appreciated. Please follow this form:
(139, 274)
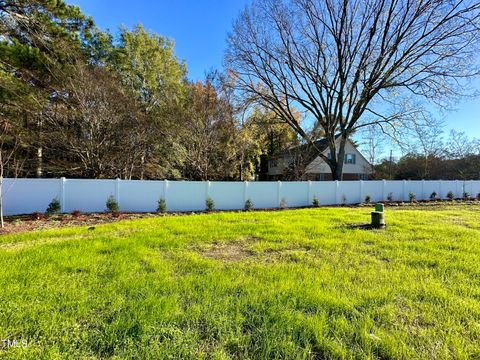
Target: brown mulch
(22, 223)
(37, 221)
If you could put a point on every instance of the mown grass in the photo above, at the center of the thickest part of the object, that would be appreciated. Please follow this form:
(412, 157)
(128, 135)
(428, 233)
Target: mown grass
(294, 284)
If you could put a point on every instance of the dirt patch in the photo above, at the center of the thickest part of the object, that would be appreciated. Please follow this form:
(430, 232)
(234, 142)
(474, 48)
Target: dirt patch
(460, 221)
(227, 251)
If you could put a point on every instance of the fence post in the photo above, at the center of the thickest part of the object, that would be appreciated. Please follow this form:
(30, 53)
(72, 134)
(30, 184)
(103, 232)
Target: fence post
(245, 191)
(337, 200)
(384, 190)
(440, 189)
(423, 190)
(404, 189)
(62, 194)
(165, 188)
(207, 189)
(117, 191)
(279, 189)
(309, 193)
(456, 189)
(361, 191)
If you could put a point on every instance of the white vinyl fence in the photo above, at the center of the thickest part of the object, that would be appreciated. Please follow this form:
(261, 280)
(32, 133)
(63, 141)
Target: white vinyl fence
(24, 196)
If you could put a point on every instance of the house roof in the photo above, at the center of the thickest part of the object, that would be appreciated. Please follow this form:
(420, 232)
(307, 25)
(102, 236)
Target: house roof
(307, 153)
(307, 150)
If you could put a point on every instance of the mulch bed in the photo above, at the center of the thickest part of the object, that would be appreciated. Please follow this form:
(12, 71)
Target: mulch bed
(38, 221)
(21, 223)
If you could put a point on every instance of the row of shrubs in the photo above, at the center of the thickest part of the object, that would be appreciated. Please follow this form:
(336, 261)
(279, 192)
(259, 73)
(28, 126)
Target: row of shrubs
(433, 197)
(112, 205)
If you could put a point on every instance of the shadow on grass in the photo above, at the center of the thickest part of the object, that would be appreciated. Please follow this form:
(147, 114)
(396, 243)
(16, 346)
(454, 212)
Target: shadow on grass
(360, 227)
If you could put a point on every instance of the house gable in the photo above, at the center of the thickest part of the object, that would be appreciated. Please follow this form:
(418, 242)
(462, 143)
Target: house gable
(360, 165)
(317, 169)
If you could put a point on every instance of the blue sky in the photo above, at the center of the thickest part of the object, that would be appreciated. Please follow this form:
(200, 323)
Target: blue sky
(199, 29)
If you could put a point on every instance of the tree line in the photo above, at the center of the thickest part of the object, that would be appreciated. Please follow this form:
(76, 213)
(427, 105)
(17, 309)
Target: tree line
(455, 158)
(76, 101)
(79, 102)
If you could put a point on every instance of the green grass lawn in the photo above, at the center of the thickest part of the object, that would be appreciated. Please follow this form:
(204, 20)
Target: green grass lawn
(294, 284)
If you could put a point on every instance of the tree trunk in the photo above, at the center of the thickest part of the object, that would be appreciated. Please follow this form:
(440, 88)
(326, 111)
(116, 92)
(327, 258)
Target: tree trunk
(338, 159)
(39, 171)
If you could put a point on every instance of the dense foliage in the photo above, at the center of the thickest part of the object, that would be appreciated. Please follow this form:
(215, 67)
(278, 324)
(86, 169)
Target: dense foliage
(79, 102)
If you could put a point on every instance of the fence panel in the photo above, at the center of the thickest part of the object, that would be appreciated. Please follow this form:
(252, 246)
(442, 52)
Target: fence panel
(228, 195)
(23, 196)
(431, 187)
(349, 192)
(415, 187)
(372, 189)
(475, 187)
(140, 196)
(88, 195)
(325, 191)
(295, 193)
(264, 194)
(394, 190)
(448, 186)
(186, 195)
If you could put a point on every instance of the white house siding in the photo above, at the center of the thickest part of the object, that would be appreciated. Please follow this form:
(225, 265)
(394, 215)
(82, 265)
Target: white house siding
(361, 166)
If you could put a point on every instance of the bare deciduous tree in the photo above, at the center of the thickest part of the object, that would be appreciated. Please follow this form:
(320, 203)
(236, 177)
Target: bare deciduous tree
(373, 144)
(421, 138)
(348, 64)
(9, 164)
(459, 145)
(93, 127)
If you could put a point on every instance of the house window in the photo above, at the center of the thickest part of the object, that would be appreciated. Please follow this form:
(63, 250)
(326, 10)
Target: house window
(350, 159)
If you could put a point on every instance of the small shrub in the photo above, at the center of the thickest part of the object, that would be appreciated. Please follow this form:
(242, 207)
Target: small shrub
(248, 205)
(344, 199)
(162, 206)
(466, 195)
(76, 213)
(316, 202)
(433, 196)
(390, 197)
(368, 199)
(283, 203)
(478, 196)
(37, 216)
(54, 207)
(412, 197)
(450, 195)
(209, 204)
(112, 204)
